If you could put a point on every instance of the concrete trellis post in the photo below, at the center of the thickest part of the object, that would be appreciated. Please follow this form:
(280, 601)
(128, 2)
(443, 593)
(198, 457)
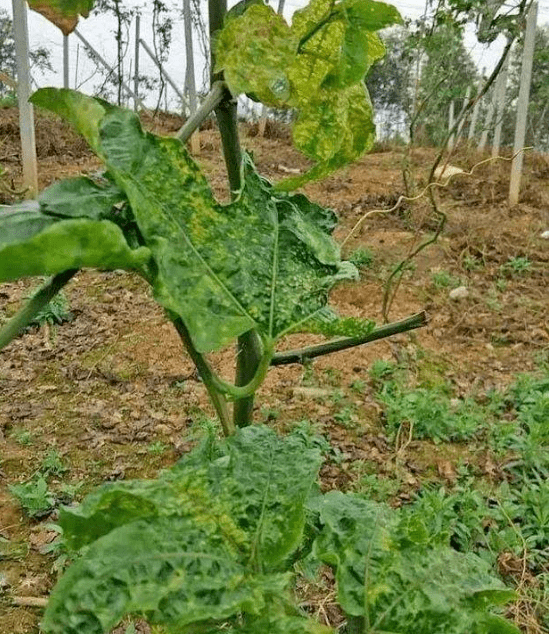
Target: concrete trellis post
(451, 121)
(522, 106)
(26, 114)
(136, 63)
(65, 61)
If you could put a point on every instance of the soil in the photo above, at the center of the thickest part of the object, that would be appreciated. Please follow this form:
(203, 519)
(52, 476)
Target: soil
(113, 393)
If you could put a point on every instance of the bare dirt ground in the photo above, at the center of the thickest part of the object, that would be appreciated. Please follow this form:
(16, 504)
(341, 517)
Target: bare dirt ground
(114, 395)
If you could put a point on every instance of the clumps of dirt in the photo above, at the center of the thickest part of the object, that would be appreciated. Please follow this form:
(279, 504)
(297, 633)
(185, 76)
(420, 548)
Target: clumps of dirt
(273, 130)
(54, 137)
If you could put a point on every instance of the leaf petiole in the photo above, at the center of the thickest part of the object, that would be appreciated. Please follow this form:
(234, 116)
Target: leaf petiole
(40, 299)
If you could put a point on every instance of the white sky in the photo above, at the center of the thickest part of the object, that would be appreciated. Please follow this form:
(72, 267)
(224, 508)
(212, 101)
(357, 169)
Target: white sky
(100, 33)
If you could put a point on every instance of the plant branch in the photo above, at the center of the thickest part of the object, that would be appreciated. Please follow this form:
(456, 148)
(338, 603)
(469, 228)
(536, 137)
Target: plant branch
(212, 100)
(303, 355)
(207, 375)
(29, 311)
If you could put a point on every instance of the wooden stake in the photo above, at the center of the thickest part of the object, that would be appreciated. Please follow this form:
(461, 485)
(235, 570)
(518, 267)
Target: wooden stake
(522, 106)
(26, 113)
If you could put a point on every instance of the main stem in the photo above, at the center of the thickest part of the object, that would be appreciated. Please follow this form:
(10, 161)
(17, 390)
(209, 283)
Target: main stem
(249, 345)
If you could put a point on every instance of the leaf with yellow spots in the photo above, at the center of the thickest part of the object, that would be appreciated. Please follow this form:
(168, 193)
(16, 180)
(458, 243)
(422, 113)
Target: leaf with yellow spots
(266, 261)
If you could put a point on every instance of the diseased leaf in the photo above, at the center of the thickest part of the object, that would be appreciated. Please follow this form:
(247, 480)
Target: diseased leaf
(389, 582)
(269, 480)
(335, 130)
(266, 261)
(202, 542)
(318, 66)
(63, 13)
(40, 245)
(174, 570)
(326, 322)
(258, 65)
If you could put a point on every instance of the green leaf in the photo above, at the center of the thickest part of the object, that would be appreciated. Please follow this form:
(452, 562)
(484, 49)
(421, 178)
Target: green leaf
(81, 197)
(63, 13)
(266, 261)
(173, 570)
(97, 199)
(269, 480)
(21, 222)
(192, 546)
(257, 66)
(356, 540)
(389, 582)
(33, 244)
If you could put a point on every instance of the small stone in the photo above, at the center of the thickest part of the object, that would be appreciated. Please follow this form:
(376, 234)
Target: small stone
(545, 235)
(461, 292)
(311, 392)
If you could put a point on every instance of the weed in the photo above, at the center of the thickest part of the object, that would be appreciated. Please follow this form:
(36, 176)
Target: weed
(492, 300)
(358, 386)
(431, 414)
(21, 436)
(34, 496)
(54, 313)
(52, 464)
(346, 416)
(157, 447)
(269, 413)
(516, 266)
(70, 489)
(443, 279)
(377, 488)
(362, 258)
(381, 370)
(471, 263)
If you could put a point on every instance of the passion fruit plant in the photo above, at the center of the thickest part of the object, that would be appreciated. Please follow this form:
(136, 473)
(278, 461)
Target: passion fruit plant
(211, 544)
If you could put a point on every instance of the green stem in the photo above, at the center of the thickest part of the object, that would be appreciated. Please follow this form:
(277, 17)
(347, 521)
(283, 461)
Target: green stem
(29, 311)
(303, 355)
(249, 347)
(212, 100)
(207, 375)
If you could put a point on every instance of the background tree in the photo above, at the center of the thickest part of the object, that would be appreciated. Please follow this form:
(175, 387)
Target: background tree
(390, 83)
(113, 80)
(443, 49)
(39, 57)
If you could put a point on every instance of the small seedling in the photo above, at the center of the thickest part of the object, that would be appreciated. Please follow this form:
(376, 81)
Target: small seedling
(157, 447)
(516, 266)
(34, 496)
(443, 279)
(56, 312)
(52, 464)
(22, 436)
(362, 258)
